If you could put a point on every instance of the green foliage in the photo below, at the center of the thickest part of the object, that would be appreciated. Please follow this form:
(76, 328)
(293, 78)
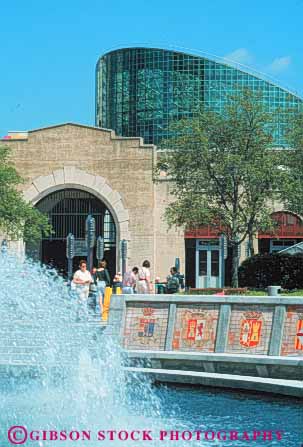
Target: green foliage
(214, 291)
(18, 219)
(293, 192)
(224, 170)
(272, 270)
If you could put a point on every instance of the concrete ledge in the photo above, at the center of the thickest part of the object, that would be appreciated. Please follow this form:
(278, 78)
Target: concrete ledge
(268, 385)
(213, 299)
(215, 357)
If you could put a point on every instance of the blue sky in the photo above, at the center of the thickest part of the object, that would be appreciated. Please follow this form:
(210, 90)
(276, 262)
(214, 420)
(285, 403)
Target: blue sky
(49, 48)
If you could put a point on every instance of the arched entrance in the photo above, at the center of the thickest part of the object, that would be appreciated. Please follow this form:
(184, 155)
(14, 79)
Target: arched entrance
(72, 178)
(67, 210)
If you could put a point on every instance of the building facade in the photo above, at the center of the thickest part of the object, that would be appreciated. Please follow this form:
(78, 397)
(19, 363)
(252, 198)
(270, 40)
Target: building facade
(142, 91)
(73, 170)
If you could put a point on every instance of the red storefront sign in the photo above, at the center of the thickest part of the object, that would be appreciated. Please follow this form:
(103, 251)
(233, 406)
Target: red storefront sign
(289, 226)
(206, 231)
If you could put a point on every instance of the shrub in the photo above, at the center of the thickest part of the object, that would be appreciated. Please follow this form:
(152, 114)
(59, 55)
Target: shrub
(213, 291)
(234, 291)
(206, 291)
(261, 271)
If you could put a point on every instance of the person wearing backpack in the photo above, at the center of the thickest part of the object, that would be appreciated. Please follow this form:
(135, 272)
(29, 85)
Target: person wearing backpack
(102, 279)
(173, 284)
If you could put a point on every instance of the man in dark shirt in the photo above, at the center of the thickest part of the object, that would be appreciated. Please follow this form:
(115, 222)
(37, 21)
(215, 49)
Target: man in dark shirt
(173, 284)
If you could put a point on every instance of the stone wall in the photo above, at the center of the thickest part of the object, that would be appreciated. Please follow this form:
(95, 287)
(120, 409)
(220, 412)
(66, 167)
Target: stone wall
(234, 325)
(116, 170)
(248, 343)
(169, 242)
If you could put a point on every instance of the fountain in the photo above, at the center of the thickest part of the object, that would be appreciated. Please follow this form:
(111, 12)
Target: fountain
(62, 382)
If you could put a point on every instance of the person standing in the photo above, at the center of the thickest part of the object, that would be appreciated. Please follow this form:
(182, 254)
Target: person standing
(143, 283)
(103, 280)
(80, 284)
(129, 281)
(173, 283)
(117, 283)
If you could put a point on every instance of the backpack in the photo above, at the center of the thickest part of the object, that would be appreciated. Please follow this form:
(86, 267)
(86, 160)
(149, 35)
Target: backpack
(173, 284)
(181, 280)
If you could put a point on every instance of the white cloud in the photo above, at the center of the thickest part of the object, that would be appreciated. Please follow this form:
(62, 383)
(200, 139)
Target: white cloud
(241, 56)
(280, 64)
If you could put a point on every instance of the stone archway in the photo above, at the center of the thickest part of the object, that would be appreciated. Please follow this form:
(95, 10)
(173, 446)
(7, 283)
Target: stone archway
(72, 177)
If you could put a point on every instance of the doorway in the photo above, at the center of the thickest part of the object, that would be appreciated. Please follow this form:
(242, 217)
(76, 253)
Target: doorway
(208, 263)
(67, 211)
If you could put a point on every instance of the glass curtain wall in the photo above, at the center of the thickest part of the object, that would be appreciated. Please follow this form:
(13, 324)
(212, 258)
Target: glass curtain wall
(141, 91)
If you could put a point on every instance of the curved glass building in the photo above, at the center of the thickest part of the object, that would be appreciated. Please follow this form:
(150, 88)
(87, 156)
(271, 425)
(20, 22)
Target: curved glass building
(141, 91)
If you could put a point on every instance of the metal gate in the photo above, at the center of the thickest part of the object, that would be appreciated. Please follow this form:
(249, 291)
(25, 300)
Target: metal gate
(67, 211)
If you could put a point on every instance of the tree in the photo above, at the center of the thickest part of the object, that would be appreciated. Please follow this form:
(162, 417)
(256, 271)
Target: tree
(293, 162)
(18, 219)
(223, 172)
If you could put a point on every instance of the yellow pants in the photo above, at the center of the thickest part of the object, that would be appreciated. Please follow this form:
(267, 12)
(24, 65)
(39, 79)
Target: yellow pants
(107, 296)
(106, 303)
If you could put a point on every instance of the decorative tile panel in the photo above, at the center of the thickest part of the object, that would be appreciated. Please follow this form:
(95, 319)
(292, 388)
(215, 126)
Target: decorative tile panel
(291, 343)
(195, 328)
(145, 326)
(250, 329)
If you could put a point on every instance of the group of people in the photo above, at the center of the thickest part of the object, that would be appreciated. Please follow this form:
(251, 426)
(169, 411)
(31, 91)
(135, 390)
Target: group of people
(137, 280)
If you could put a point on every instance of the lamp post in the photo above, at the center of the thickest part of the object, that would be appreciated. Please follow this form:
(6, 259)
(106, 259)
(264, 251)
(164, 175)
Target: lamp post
(70, 253)
(100, 248)
(90, 235)
(224, 255)
(123, 255)
(4, 246)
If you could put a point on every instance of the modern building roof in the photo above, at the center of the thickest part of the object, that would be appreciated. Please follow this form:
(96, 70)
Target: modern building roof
(142, 90)
(211, 57)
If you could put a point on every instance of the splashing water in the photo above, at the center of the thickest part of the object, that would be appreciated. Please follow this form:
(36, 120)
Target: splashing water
(57, 374)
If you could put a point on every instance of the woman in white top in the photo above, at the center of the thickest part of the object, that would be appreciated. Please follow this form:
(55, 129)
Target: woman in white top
(143, 283)
(81, 281)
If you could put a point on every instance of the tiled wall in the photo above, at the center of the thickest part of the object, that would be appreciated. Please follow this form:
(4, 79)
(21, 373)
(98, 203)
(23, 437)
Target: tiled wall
(249, 329)
(194, 328)
(146, 326)
(293, 324)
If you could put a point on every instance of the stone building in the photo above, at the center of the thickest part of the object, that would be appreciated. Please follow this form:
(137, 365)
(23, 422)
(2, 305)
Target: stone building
(73, 170)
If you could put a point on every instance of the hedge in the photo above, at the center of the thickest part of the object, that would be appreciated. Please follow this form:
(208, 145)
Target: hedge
(261, 271)
(213, 291)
